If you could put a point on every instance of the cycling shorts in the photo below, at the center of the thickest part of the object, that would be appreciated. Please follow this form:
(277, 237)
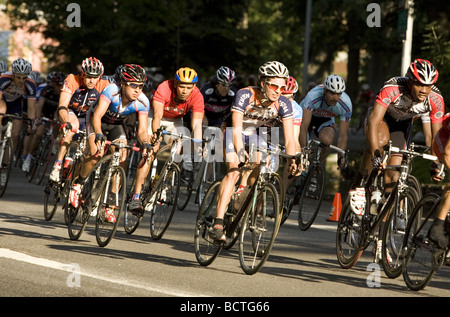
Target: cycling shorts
(318, 123)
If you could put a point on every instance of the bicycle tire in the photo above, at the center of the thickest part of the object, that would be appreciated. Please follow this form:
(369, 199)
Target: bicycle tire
(6, 169)
(254, 246)
(114, 200)
(165, 202)
(185, 192)
(206, 181)
(393, 232)
(51, 199)
(311, 197)
(41, 161)
(348, 237)
(421, 257)
(206, 249)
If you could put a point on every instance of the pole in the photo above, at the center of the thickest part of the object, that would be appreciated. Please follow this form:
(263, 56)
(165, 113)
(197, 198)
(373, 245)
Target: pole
(306, 46)
(407, 42)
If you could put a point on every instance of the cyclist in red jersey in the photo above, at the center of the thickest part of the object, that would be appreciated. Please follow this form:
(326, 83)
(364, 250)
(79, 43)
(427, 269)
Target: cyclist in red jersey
(79, 94)
(171, 101)
(391, 115)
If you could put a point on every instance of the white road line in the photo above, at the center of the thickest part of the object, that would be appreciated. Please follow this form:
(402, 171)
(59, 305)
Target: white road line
(13, 255)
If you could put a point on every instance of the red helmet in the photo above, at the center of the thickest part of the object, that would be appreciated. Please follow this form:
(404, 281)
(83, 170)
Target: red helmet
(291, 86)
(422, 71)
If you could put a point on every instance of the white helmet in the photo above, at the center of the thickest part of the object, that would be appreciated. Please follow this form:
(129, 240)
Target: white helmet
(21, 66)
(274, 69)
(335, 84)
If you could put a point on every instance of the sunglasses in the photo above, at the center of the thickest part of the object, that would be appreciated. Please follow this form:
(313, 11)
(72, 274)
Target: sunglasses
(275, 87)
(135, 86)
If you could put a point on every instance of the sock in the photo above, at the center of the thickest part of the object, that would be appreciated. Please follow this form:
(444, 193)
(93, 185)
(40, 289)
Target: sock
(136, 196)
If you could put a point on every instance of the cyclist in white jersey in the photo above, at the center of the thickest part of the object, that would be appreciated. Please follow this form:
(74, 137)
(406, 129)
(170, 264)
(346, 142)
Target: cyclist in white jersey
(320, 107)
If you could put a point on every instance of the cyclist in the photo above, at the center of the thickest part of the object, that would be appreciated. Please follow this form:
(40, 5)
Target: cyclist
(117, 102)
(171, 101)
(320, 107)
(441, 146)
(79, 94)
(47, 107)
(254, 107)
(15, 86)
(390, 117)
(219, 95)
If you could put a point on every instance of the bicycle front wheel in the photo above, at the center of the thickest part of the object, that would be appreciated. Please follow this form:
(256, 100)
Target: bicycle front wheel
(393, 231)
(112, 202)
(206, 249)
(165, 202)
(348, 237)
(260, 225)
(5, 168)
(421, 257)
(311, 197)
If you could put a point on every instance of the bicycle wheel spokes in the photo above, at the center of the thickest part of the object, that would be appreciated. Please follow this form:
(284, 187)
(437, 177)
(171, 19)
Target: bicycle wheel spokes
(206, 250)
(311, 197)
(348, 237)
(113, 200)
(421, 257)
(394, 232)
(259, 229)
(165, 203)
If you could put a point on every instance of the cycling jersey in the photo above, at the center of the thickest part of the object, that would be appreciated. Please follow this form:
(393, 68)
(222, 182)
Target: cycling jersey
(248, 102)
(82, 98)
(116, 112)
(217, 106)
(165, 94)
(395, 96)
(11, 92)
(297, 112)
(51, 101)
(315, 102)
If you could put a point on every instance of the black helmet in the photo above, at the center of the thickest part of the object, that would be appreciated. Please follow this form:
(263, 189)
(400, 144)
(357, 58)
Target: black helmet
(133, 73)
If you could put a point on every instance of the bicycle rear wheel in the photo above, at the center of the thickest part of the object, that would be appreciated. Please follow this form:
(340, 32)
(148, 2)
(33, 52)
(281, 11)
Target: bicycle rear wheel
(112, 202)
(51, 199)
(348, 237)
(422, 258)
(260, 225)
(311, 197)
(206, 249)
(165, 202)
(5, 168)
(45, 162)
(393, 232)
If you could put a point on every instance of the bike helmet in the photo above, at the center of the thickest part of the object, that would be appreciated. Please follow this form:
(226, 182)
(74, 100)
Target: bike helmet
(92, 67)
(274, 69)
(422, 71)
(133, 73)
(56, 78)
(335, 84)
(36, 77)
(225, 75)
(21, 66)
(3, 67)
(291, 86)
(186, 75)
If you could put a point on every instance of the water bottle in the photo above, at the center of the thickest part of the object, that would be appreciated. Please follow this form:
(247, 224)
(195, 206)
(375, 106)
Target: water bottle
(67, 166)
(375, 199)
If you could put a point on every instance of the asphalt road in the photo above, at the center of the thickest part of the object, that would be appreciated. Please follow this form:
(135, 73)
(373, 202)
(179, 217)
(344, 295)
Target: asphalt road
(39, 260)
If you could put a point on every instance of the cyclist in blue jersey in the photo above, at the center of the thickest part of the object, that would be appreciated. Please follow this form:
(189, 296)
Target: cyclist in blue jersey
(15, 87)
(116, 103)
(320, 107)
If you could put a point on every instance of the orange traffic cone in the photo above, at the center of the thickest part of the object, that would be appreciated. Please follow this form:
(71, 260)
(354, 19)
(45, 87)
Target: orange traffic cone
(336, 208)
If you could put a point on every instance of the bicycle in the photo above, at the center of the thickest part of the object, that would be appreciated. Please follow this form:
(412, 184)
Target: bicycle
(255, 223)
(54, 192)
(205, 175)
(160, 191)
(422, 258)
(103, 195)
(6, 150)
(42, 154)
(383, 225)
(306, 196)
